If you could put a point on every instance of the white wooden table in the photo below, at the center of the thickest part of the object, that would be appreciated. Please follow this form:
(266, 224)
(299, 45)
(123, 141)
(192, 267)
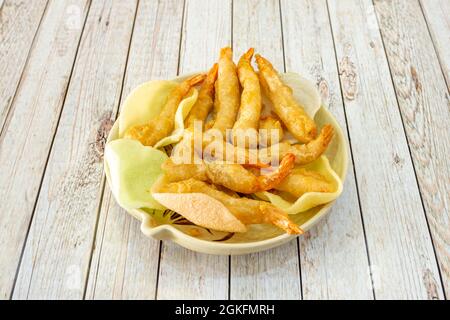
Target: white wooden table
(65, 67)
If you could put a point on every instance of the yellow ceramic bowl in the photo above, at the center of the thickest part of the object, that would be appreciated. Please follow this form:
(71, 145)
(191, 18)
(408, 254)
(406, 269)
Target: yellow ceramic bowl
(168, 225)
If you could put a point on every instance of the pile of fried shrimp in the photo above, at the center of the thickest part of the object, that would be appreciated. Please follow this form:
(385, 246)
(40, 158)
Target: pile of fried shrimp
(229, 100)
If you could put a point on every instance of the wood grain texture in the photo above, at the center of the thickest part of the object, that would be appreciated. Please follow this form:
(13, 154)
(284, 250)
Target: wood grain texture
(424, 103)
(185, 274)
(125, 262)
(400, 248)
(437, 14)
(61, 85)
(334, 262)
(19, 23)
(28, 133)
(272, 274)
(58, 249)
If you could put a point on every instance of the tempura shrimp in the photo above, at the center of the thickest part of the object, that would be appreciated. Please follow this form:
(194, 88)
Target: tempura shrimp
(270, 131)
(161, 126)
(248, 211)
(304, 153)
(205, 99)
(302, 180)
(250, 107)
(232, 176)
(216, 106)
(287, 109)
(227, 92)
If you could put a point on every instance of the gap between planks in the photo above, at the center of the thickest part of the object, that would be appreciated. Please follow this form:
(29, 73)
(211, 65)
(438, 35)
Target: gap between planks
(422, 243)
(402, 105)
(103, 182)
(51, 144)
(82, 60)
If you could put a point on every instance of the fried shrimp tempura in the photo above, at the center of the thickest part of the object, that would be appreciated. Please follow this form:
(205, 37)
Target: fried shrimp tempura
(227, 92)
(304, 153)
(290, 111)
(232, 176)
(302, 180)
(248, 211)
(205, 99)
(216, 106)
(259, 158)
(161, 126)
(250, 107)
(270, 131)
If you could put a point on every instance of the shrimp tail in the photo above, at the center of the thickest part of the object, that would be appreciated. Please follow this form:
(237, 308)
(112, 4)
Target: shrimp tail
(257, 165)
(306, 153)
(262, 62)
(248, 55)
(270, 181)
(320, 144)
(277, 217)
(226, 52)
(326, 134)
(212, 74)
(196, 79)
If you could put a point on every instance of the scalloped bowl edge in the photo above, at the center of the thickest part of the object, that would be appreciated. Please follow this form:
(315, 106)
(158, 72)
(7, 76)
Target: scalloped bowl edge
(168, 232)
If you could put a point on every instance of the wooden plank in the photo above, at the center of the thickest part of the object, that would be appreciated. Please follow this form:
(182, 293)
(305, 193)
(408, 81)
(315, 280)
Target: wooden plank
(125, 262)
(19, 23)
(437, 14)
(424, 102)
(400, 248)
(58, 249)
(186, 274)
(272, 274)
(326, 274)
(28, 134)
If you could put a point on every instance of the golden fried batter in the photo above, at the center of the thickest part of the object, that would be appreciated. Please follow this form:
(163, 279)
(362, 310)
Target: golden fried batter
(291, 113)
(205, 99)
(250, 107)
(232, 176)
(269, 129)
(227, 92)
(248, 211)
(302, 180)
(161, 126)
(304, 153)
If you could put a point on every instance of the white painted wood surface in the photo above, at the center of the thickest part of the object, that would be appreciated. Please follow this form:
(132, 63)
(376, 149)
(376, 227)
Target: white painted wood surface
(437, 14)
(273, 273)
(420, 88)
(62, 235)
(125, 263)
(185, 274)
(333, 255)
(27, 135)
(59, 243)
(19, 23)
(389, 195)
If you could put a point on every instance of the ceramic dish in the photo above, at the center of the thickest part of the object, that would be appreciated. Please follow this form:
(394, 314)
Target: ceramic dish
(168, 225)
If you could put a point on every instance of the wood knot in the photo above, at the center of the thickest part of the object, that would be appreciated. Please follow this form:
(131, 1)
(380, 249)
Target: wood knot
(398, 160)
(347, 72)
(101, 136)
(415, 78)
(324, 90)
(430, 285)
